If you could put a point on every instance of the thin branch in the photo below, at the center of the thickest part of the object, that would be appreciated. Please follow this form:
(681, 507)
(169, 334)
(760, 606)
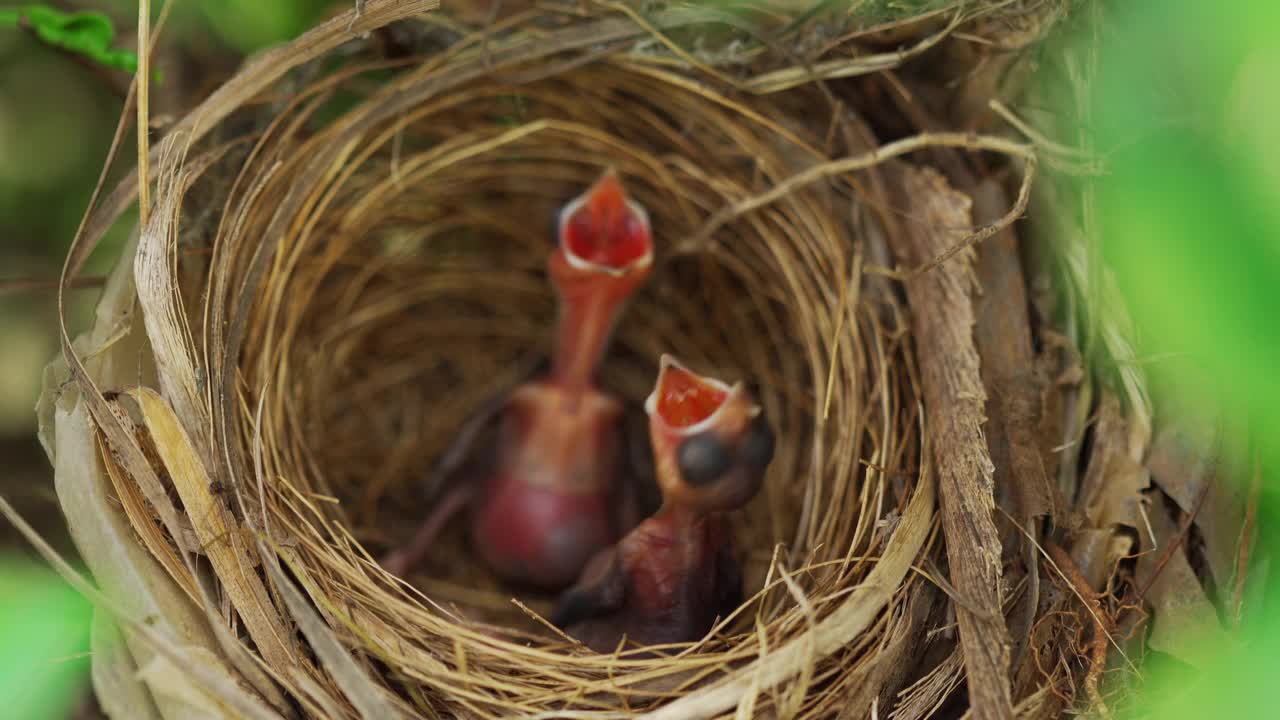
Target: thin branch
(1098, 644)
(144, 106)
(17, 285)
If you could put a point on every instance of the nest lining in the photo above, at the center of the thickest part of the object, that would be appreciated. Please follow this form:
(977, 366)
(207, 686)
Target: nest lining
(415, 288)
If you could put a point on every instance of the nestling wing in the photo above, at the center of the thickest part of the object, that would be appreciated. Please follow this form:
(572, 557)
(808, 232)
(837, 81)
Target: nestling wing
(600, 591)
(466, 456)
(728, 590)
(637, 486)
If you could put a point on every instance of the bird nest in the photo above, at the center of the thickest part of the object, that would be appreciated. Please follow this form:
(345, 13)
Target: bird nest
(344, 257)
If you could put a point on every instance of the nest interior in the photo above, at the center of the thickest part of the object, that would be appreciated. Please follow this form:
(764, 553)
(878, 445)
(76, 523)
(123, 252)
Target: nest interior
(416, 289)
(339, 276)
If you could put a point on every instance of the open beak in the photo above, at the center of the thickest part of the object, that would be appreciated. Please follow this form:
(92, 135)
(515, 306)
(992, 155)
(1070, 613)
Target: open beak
(711, 444)
(605, 252)
(685, 402)
(605, 232)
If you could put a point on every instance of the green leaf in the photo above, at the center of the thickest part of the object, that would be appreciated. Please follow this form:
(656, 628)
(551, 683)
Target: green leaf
(85, 33)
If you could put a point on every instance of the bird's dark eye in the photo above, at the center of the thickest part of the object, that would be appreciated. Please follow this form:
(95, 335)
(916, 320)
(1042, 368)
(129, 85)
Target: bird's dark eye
(703, 458)
(757, 446)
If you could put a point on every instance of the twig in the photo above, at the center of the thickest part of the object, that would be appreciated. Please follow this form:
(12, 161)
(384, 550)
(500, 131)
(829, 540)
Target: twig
(1246, 537)
(1034, 135)
(876, 156)
(1174, 542)
(1098, 644)
(144, 108)
(1019, 207)
(25, 284)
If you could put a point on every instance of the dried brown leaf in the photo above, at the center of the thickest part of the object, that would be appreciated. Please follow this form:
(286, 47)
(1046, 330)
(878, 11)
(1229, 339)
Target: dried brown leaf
(143, 520)
(1096, 552)
(1187, 456)
(1183, 459)
(1111, 491)
(1184, 623)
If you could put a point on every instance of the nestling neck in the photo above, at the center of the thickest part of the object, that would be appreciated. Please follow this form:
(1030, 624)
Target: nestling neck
(681, 516)
(587, 316)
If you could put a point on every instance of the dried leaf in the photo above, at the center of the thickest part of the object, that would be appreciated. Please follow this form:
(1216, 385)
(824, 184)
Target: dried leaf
(115, 683)
(1111, 492)
(1185, 457)
(122, 568)
(144, 522)
(220, 533)
(127, 363)
(1096, 553)
(175, 685)
(115, 353)
(148, 638)
(1184, 623)
(163, 313)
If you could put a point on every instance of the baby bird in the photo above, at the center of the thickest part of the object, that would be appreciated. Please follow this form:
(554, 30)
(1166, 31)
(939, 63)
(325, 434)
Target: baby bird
(670, 578)
(545, 493)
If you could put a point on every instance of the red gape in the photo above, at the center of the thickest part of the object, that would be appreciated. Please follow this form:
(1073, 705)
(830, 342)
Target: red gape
(605, 229)
(685, 399)
(551, 496)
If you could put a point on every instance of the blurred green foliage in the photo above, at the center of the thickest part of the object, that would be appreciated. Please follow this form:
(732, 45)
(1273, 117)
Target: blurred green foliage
(86, 33)
(1188, 96)
(44, 628)
(56, 121)
(1186, 111)
(250, 24)
(245, 25)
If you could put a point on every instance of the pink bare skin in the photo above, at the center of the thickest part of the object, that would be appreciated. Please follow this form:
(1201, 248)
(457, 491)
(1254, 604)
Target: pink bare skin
(670, 578)
(546, 495)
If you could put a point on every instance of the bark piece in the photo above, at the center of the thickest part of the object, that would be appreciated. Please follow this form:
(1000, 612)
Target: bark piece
(1003, 335)
(943, 315)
